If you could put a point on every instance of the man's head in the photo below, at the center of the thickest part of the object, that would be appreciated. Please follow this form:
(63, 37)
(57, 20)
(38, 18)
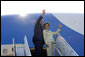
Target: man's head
(41, 21)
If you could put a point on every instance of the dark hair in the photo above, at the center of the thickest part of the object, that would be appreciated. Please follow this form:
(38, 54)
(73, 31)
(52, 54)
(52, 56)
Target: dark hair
(45, 24)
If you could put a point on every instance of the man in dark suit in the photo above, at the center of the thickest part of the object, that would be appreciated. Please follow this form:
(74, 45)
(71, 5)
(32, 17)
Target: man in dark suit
(38, 39)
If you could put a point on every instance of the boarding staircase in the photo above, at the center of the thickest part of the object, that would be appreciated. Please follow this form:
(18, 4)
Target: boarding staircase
(62, 48)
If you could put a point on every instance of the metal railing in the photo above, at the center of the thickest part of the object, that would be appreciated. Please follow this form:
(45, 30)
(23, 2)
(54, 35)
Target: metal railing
(63, 48)
(25, 48)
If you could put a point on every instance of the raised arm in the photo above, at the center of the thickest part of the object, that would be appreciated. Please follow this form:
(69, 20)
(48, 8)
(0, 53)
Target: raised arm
(39, 19)
(43, 12)
(59, 29)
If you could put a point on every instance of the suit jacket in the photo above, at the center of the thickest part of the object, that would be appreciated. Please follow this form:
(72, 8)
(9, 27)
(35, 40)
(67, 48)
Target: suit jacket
(38, 32)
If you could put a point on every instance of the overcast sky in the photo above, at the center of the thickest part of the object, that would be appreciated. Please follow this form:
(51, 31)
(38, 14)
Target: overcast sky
(25, 7)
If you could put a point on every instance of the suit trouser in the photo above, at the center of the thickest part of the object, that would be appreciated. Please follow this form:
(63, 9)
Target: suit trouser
(38, 48)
